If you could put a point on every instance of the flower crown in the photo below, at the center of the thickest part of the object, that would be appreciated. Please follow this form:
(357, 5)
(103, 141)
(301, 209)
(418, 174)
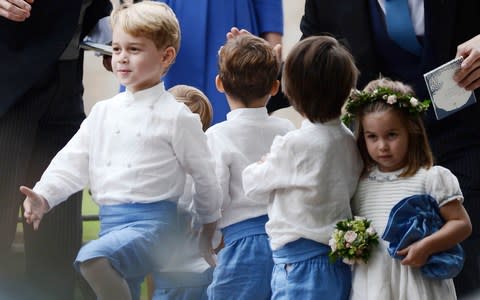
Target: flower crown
(358, 99)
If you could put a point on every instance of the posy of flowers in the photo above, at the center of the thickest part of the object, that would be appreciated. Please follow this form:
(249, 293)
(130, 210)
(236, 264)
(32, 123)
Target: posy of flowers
(352, 241)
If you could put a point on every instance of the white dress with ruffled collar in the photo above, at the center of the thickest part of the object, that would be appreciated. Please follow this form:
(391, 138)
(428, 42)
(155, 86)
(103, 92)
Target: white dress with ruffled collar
(384, 277)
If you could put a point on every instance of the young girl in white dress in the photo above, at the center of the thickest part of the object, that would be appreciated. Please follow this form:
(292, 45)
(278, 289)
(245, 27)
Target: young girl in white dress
(398, 164)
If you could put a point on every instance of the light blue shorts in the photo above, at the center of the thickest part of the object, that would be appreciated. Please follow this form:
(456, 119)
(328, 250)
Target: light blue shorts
(136, 238)
(181, 285)
(303, 271)
(245, 264)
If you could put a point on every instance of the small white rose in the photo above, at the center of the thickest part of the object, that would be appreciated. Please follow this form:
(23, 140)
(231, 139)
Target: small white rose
(348, 261)
(370, 230)
(384, 97)
(332, 244)
(350, 236)
(375, 91)
(391, 99)
(413, 101)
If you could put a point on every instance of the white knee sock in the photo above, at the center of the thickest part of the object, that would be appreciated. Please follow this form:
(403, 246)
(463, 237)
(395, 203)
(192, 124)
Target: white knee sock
(104, 280)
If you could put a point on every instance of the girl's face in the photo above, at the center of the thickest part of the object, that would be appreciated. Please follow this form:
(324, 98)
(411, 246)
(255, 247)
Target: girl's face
(386, 138)
(136, 61)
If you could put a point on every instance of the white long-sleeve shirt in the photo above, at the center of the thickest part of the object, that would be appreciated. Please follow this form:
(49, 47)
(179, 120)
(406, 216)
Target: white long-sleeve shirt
(242, 139)
(309, 177)
(136, 147)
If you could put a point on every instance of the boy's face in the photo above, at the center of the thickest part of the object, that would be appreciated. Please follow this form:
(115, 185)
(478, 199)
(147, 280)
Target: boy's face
(137, 62)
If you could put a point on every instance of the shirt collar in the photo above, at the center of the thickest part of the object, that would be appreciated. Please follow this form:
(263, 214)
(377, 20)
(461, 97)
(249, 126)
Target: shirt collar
(334, 122)
(259, 113)
(146, 96)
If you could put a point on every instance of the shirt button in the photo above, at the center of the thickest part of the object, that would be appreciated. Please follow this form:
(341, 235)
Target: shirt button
(109, 163)
(118, 131)
(129, 166)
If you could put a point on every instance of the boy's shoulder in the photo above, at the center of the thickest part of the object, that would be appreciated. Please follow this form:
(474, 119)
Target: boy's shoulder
(105, 103)
(169, 100)
(281, 125)
(282, 122)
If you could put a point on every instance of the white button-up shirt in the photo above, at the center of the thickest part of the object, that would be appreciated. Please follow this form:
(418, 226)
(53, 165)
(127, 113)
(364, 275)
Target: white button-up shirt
(136, 147)
(308, 177)
(242, 139)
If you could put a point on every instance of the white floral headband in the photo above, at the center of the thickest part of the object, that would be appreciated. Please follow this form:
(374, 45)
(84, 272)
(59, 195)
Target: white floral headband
(358, 99)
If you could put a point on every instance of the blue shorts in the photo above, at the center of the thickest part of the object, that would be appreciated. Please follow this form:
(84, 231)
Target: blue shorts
(245, 264)
(181, 285)
(303, 271)
(136, 238)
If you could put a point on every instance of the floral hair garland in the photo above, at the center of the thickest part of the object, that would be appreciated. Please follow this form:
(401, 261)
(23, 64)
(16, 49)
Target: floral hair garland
(358, 99)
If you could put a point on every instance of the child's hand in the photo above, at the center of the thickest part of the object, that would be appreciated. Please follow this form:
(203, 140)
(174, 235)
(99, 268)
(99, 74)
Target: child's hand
(35, 206)
(416, 255)
(206, 237)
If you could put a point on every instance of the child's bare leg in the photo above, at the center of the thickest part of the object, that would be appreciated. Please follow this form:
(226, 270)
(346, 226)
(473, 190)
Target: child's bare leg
(104, 280)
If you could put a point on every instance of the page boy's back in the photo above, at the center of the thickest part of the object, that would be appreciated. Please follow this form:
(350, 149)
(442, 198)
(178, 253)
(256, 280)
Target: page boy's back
(248, 70)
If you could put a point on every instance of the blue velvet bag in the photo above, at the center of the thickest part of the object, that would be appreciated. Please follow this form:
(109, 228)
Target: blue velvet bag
(414, 218)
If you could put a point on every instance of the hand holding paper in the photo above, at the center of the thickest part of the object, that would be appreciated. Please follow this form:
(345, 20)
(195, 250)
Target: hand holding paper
(468, 76)
(447, 96)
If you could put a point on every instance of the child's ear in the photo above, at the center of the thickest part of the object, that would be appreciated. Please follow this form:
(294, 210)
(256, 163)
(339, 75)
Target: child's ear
(219, 84)
(275, 88)
(169, 55)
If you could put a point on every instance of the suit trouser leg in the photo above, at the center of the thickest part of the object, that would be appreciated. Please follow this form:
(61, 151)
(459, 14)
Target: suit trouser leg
(465, 165)
(31, 133)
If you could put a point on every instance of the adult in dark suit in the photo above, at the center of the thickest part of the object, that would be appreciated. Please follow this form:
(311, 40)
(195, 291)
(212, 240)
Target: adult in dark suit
(455, 141)
(41, 107)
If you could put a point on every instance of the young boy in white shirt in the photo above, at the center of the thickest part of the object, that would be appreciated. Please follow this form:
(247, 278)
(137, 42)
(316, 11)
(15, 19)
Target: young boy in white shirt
(248, 71)
(310, 174)
(134, 151)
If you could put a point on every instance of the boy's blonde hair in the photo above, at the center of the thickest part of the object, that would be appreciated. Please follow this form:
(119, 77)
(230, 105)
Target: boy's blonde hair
(419, 152)
(248, 68)
(196, 101)
(153, 20)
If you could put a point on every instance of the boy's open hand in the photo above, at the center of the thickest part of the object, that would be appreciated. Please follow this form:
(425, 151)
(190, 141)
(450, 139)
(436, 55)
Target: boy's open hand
(35, 206)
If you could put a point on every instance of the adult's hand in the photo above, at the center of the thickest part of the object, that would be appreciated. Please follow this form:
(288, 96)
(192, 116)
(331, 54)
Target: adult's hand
(273, 38)
(468, 76)
(15, 10)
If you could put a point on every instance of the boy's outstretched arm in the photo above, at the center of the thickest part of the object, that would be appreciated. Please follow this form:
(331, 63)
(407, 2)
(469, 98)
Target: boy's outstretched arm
(35, 206)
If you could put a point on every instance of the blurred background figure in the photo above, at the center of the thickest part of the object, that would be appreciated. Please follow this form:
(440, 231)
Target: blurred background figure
(41, 107)
(204, 24)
